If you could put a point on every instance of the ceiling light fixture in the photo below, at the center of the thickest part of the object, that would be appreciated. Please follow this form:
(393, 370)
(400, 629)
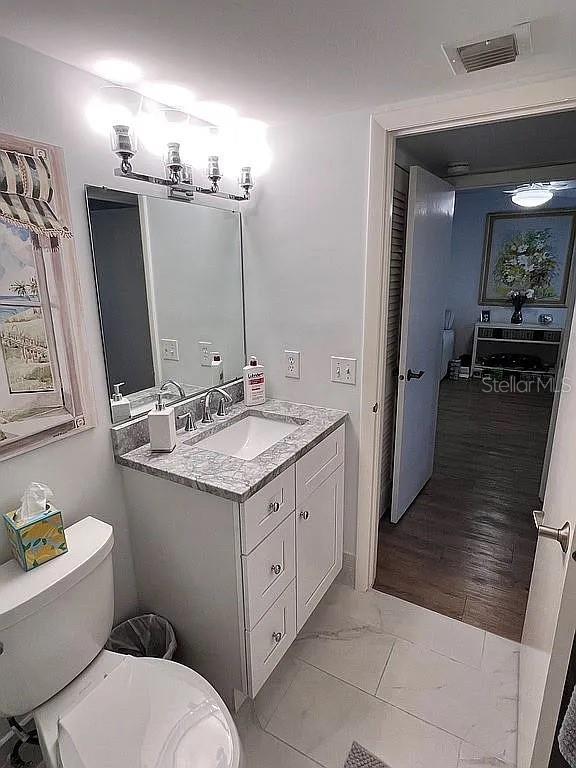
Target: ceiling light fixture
(531, 195)
(118, 71)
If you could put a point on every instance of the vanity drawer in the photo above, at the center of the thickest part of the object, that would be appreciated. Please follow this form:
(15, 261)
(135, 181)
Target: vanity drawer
(268, 570)
(270, 639)
(267, 508)
(319, 463)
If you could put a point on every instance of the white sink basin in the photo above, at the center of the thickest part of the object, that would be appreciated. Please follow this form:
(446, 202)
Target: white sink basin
(247, 438)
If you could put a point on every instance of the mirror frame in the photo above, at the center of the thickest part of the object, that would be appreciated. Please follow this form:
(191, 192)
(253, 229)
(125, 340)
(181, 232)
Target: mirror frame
(220, 205)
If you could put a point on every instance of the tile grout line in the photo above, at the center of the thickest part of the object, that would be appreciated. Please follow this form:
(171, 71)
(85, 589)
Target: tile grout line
(385, 666)
(381, 701)
(415, 642)
(280, 700)
(291, 746)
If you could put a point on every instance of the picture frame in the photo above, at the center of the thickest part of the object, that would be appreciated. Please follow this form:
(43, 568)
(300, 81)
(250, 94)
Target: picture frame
(528, 251)
(485, 316)
(45, 385)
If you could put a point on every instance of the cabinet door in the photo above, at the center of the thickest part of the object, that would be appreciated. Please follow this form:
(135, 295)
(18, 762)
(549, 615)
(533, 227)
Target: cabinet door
(318, 543)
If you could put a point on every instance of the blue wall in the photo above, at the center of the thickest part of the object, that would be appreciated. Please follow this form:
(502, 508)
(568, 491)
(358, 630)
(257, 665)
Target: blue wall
(465, 269)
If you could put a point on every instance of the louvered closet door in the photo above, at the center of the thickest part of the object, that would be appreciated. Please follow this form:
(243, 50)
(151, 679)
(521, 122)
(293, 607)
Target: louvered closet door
(394, 304)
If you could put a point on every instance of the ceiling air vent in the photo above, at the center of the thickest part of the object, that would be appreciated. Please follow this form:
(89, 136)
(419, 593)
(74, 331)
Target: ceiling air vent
(492, 51)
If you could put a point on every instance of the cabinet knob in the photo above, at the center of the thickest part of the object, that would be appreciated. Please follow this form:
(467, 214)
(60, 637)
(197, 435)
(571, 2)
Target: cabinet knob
(274, 506)
(304, 514)
(277, 569)
(277, 636)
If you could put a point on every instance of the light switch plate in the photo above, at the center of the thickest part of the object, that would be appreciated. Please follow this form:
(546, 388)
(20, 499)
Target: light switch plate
(170, 349)
(205, 349)
(291, 364)
(343, 370)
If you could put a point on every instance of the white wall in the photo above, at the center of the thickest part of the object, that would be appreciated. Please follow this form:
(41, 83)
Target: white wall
(304, 255)
(43, 99)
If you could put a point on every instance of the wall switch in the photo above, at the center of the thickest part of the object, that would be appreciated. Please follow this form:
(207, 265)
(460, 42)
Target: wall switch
(205, 348)
(343, 370)
(291, 364)
(169, 349)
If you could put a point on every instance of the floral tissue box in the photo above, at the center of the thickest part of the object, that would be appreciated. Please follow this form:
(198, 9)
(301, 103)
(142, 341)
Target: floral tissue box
(37, 540)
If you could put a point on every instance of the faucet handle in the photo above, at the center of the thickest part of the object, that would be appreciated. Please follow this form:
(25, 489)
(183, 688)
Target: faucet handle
(189, 424)
(222, 408)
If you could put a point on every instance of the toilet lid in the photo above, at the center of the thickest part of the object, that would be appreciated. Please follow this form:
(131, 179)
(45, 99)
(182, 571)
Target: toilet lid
(149, 713)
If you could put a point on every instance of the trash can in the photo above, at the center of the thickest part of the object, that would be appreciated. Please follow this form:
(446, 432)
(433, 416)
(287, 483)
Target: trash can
(148, 635)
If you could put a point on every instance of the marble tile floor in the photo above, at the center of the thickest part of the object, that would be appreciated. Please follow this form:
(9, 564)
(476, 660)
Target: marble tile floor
(418, 689)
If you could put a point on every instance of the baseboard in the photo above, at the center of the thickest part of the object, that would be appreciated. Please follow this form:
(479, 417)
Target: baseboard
(348, 572)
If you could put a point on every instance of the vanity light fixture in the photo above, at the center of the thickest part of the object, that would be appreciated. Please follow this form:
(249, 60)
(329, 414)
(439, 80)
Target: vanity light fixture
(172, 129)
(178, 175)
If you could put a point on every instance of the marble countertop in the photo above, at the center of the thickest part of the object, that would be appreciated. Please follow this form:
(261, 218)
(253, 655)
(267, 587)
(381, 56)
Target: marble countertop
(228, 476)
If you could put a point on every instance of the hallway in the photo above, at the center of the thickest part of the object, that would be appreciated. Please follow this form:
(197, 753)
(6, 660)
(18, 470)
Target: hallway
(466, 545)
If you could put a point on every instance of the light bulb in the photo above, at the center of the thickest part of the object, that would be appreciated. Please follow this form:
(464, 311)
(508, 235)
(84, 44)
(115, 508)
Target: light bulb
(118, 71)
(214, 112)
(113, 105)
(250, 146)
(170, 94)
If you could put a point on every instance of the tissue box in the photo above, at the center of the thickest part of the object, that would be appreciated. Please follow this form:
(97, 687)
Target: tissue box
(37, 540)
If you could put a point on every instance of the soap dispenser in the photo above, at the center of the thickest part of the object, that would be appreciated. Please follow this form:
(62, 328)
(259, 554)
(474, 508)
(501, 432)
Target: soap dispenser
(119, 405)
(216, 370)
(162, 426)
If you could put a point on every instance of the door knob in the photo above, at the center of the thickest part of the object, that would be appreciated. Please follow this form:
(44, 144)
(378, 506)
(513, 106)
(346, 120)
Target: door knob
(414, 374)
(561, 535)
(277, 569)
(276, 636)
(304, 514)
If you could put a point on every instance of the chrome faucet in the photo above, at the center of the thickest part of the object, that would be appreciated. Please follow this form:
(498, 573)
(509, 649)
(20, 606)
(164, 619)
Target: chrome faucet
(224, 398)
(175, 384)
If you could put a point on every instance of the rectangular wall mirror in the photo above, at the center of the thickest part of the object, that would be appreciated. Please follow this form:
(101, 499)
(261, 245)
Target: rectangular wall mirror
(170, 295)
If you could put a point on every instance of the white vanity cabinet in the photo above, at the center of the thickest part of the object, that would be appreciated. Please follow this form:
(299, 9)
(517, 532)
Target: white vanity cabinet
(238, 580)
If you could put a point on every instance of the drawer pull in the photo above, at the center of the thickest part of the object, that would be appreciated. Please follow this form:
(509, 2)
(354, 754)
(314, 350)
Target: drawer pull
(277, 636)
(274, 506)
(304, 514)
(277, 569)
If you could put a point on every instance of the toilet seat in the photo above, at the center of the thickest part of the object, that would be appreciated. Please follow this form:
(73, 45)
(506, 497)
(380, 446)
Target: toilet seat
(146, 713)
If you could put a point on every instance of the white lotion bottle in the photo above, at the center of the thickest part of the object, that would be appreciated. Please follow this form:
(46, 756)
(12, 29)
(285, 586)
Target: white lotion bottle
(254, 383)
(162, 427)
(120, 405)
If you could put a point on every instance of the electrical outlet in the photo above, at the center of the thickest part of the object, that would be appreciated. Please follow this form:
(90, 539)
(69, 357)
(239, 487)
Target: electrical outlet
(343, 370)
(170, 349)
(291, 364)
(205, 348)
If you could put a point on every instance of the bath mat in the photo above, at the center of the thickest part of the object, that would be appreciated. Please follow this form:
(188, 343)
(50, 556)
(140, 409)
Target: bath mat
(358, 757)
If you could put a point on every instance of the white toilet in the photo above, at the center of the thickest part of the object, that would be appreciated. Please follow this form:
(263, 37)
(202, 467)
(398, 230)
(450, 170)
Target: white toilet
(94, 708)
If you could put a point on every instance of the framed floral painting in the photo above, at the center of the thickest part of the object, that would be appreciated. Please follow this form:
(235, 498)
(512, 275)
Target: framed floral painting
(528, 252)
(45, 391)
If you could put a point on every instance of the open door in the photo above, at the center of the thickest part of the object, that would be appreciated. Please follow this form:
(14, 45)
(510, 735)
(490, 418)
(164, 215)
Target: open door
(551, 612)
(428, 243)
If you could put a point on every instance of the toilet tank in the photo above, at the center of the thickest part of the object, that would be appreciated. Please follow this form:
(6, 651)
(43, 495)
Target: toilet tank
(55, 619)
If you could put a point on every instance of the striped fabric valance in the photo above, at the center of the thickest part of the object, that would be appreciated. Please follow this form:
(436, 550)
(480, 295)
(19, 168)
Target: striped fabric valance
(26, 194)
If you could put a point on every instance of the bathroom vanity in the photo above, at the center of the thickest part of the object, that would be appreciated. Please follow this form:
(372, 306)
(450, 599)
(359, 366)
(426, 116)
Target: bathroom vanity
(237, 534)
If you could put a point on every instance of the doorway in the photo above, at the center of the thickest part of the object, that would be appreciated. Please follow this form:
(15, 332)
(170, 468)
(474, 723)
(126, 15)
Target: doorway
(462, 464)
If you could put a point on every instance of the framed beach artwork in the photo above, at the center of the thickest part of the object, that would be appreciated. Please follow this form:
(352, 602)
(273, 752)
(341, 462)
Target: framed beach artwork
(528, 252)
(44, 383)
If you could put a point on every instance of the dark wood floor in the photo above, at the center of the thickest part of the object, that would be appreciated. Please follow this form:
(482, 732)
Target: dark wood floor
(466, 545)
